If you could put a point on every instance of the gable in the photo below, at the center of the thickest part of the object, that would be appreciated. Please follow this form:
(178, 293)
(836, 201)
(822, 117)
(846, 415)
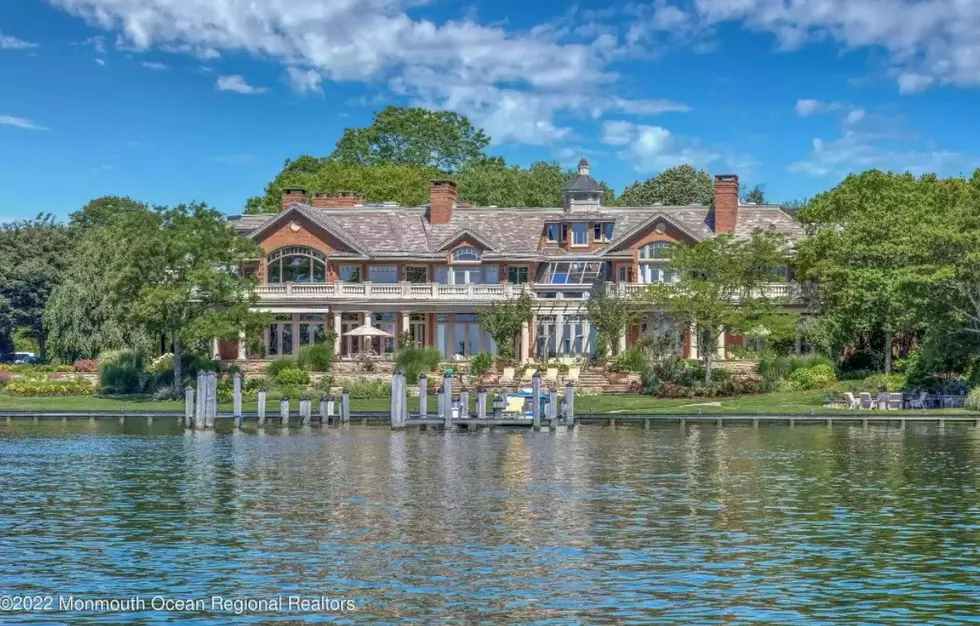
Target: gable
(659, 227)
(464, 237)
(296, 229)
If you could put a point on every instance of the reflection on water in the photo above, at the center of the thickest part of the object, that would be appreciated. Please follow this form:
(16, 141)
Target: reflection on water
(774, 524)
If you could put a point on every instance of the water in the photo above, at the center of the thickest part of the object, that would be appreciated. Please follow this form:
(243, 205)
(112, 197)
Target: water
(774, 525)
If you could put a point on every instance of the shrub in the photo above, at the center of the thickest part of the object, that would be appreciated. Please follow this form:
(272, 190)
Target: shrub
(815, 377)
(972, 401)
(85, 365)
(480, 363)
(42, 388)
(292, 376)
(856, 374)
(413, 361)
(163, 363)
(278, 365)
(121, 371)
(877, 382)
(368, 389)
(325, 384)
(631, 360)
(863, 359)
(315, 358)
(773, 368)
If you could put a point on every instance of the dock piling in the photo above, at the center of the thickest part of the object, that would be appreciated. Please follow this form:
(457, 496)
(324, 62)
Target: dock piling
(324, 418)
(570, 403)
(284, 411)
(188, 405)
(345, 407)
(481, 403)
(202, 394)
(447, 399)
(464, 404)
(211, 412)
(237, 390)
(423, 396)
(261, 407)
(536, 400)
(499, 403)
(398, 399)
(306, 410)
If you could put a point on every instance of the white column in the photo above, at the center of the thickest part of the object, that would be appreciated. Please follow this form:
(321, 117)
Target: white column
(694, 342)
(405, 327)
(242, 352)
(720, 351)
(337, 330)
(367, 343)
(295, 334)
(215, 349)
(559, 333)
(622, 341)
(586, 337)
(524, 355)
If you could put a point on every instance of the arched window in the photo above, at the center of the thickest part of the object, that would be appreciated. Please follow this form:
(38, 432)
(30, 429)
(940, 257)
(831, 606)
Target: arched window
(296, 264)
(466, 253)
(655, 250)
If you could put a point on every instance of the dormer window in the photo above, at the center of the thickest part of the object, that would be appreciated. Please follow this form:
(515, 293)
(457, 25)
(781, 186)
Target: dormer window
(551, 233)
(580, 234)
(602, 231)
(466, 254)
(655, 250)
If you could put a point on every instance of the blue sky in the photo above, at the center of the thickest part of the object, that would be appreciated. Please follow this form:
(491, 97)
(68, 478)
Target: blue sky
(178, 100)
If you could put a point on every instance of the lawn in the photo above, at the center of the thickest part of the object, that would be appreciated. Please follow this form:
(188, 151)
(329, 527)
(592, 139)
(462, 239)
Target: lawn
(798, 403)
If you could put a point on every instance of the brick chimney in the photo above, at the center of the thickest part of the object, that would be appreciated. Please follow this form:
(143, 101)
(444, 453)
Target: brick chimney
(292, 195)
(442, 201)
(337, 199)
(726, 203)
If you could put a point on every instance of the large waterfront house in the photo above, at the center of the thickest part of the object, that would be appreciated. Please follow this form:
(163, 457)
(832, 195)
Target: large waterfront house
(333, 262)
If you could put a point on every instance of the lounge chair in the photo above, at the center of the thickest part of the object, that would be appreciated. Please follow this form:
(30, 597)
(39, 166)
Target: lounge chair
(515, 406)
(572, 375)
(894, 401)
(866, 403)
(920, 402)
(850, 402)
(551, 376)
(507, 378)
(529, 374)
(881, 400)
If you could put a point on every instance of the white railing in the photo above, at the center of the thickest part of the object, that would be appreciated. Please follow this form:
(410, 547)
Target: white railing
(795, 291)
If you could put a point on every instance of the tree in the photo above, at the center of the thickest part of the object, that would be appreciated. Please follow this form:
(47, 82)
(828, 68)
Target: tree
(81, 317)
(33, 257)
(413, 136)
(866, 246)
(756, 195)
(505, 320)
(720, 287)
(179, 270)
(610, 316)
(678, 186)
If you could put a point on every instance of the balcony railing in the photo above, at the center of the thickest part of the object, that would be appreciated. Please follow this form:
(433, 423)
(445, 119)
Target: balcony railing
(473, 292)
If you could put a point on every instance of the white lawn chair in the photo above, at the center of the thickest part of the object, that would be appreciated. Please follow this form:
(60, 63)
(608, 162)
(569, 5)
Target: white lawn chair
(507, 378)
(850, 402)
(572, 375)
(881, 400)
(865, 402)
(920, 402)
(894, 401)
(550, 375)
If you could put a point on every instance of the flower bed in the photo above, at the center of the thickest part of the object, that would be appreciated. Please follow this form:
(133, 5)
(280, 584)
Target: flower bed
(42, 388)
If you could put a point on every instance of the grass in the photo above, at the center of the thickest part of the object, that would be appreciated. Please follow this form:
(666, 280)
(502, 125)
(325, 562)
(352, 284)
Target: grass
(799, 402)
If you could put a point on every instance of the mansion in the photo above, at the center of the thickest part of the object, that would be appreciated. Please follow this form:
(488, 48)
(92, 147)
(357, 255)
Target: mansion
(333, 262)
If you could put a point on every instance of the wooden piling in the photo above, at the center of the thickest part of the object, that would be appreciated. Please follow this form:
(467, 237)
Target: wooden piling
(423, 396)
(447, 400)
(570, 403)
(440, 401)
(284, 411)
(536, 400)
(331, 406)
(188, 405)
(305, 411)
(481, 403)
(237, 399)
(464, 404)
(211, 405)
(323, 410)
(397, 399)
(345, 407)
(261, 407)
(202, 394)
(498, 407)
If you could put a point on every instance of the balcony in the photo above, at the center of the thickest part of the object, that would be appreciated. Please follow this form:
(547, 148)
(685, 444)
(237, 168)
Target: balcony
(796, 292)
(375, 292)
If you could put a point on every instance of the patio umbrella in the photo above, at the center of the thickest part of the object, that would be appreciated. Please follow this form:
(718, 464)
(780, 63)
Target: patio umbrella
(367, 331)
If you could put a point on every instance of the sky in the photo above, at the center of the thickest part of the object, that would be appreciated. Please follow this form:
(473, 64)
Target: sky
(171, 101)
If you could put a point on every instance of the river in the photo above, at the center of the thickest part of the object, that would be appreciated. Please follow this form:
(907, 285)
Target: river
(703, 525)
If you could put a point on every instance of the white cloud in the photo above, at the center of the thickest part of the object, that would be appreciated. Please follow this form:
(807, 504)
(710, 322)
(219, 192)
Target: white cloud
(854, 116)
(154, 65)
(516, 84)
(806, 107)
(304, 81)
(19, 122)
(653, 148)
(237, 84)
(858, 151)
(8, 42)
(910, 82)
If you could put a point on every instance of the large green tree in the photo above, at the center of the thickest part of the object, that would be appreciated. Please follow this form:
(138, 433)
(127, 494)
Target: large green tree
(504, 321)
(720, 287)
(867, 248)
(679, 185)
(33, 257)
(178, 271)
(413, 136)
(610, 316)
(81, 317)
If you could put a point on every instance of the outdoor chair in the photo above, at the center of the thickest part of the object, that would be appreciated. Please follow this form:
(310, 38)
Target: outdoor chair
(551, 376)
(881, 400)
(850, 402)
(866, 403)
(507, 378)
(920, 402)
(894, 401)
(515, 406)
(529, 374)
(572, 375)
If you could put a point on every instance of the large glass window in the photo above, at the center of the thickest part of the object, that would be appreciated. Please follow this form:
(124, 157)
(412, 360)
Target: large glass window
(350, 273)
(517, 274)
(780, 273)
(580, 234)
(655, 250)
(573, 272)
(551, 232)
(602, 231)
(486, 274)
(466, 253)
(296, 264)
(656, 273)
(417, 273)
(383, 273)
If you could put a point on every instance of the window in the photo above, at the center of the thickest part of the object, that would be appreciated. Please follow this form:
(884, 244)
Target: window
(383, 273)
(491, 274)
(466, 253)
(625, 274)
(296, 264)
(780, 273)
(416, 273)
(602, 231)
(573, 272)
(580, 234)
(517, 274)
(551, 232)
(350, 273)
(564, 233)
(655, 250)
(656, 273)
